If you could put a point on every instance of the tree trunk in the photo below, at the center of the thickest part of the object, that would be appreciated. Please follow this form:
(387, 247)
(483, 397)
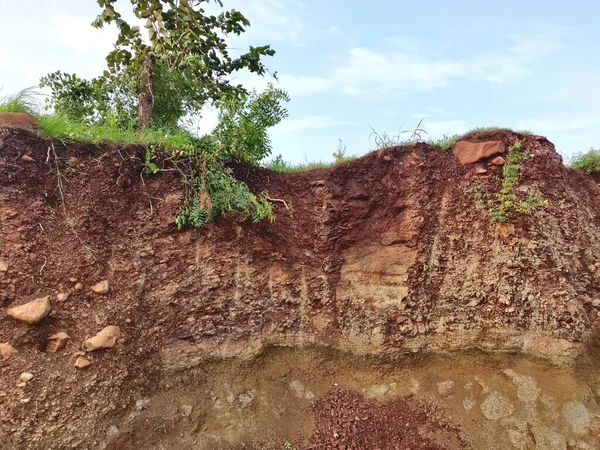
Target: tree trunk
(146, 101)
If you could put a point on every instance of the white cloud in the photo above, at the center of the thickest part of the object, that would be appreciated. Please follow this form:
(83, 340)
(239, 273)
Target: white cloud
(334, 29)
(295, 126)
(559, 125)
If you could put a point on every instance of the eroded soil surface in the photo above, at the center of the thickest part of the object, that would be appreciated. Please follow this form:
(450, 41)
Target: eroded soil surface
(373, 265)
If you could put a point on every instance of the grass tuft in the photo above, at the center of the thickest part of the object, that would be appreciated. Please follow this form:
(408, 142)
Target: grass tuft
(21, 102)
(588, 162)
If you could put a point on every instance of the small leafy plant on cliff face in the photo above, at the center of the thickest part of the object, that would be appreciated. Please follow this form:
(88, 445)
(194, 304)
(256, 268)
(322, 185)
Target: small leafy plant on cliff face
(505, 204)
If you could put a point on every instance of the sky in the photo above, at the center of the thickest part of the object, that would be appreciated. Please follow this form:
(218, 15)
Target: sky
(351, 66)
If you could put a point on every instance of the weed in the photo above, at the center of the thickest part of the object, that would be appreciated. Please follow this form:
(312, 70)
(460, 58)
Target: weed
(588, 162)
(21, 102)
(283, 377)
(288, 446)
(383, 140)
(505, 204)
(162, 428)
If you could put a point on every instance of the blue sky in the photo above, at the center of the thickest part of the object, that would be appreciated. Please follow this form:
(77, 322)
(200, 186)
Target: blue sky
(351, 65)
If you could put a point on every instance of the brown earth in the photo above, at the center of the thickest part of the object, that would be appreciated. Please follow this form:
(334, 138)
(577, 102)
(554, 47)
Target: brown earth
(385, 256)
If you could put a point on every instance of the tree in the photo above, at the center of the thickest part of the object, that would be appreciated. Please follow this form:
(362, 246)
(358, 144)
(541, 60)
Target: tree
(184, 41)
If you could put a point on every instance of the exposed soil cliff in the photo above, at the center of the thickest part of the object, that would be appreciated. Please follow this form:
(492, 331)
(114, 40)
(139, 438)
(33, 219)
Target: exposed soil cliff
(385, 256)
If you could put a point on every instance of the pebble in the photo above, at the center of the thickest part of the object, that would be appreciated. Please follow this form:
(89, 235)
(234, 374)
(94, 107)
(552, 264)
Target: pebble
(106, 338)
(31, 312)
(62, 297)
(100, 287)
(25, 377)
(82, 362)
(57, 342)
(26, 158)
(7, 350)
(78, 286)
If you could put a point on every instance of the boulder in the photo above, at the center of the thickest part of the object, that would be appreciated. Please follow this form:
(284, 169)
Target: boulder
(104, 339)
(23, 121)
(31, 312)
(472, 152)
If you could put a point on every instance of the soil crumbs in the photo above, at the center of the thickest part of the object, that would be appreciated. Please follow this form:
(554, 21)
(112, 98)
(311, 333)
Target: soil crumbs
(346, 420)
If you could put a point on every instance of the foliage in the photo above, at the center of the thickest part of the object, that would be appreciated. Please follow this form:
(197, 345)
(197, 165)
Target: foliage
(505, 204)
(204, 163)
(185, 53)
(240, 136)
(383, 140)
(588, 162)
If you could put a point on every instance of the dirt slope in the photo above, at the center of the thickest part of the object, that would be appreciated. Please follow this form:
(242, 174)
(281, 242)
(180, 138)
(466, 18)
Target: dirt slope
(383, 256)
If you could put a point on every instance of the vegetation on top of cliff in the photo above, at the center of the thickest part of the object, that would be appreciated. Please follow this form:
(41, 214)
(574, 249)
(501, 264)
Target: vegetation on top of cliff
(154, 83)
(588, 162)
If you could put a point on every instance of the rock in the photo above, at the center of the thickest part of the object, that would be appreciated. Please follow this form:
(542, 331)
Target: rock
(31, 312)
(57, 342)
(498, 161)
(547, 439)
(25, 377)
(142, 403)
(3, 266)
(577, 416)
(470, 152)
(82, 362)
(445, 387)
(247, 398)
(7, 350)
(101, 287)
(23, 121)
(527, 388)
(72, 161)
(480, 171)
(496, 406)
(112, 432)
(78, 286)
(26, 158)
(106, 338)
(186, 410)
(62, 297)
(468, 403)
(300, 391)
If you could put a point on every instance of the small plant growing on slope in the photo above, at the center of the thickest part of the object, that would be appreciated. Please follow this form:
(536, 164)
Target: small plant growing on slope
(505, 204)
(588, 162)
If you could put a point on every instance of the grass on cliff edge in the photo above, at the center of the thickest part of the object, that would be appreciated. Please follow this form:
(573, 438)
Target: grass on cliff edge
(63, 128)
(588, 162)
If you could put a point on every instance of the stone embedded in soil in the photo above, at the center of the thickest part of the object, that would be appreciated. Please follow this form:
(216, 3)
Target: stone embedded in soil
(247, 398)
(25, 377)
(62, 297)
(7, 350)
(101, 287)
(498, 161)
(78, 286)
(105, 338)
(31, 312)
(496, 406)
(57, 342)
(471, 152)
(481, 171)
(26, 158)
(3, 266)
(82, 362)
(72, 161)
(445, 387)
(577, 416)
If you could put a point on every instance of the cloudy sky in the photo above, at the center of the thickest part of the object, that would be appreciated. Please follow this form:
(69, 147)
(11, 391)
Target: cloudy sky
(351, 65)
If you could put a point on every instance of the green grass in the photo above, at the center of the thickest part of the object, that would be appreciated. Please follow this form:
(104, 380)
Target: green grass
(21, 102)
(65, 129)
(588, 162)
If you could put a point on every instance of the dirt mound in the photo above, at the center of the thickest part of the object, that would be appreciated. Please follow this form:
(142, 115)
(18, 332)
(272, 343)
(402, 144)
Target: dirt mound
(386, 255)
